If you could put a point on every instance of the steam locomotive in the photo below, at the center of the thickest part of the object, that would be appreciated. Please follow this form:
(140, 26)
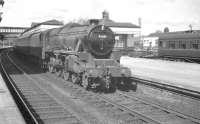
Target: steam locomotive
(79, 53)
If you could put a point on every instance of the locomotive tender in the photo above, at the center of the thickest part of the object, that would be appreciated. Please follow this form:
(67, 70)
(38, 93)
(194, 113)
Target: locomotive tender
(80, 53)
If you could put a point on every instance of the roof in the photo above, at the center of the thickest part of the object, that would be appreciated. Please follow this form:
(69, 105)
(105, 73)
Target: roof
(49, 22)
(111, 23)
(8, 27)
(178, 35)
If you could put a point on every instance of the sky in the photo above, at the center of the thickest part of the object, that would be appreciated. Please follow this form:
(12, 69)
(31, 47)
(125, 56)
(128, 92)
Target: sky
(155, 14)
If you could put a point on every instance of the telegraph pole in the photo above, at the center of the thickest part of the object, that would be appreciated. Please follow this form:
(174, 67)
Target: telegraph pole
(140, 37)
(1, 3)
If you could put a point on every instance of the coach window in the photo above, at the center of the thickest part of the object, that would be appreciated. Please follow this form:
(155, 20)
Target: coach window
(182, 45)
(198, 44)
(195, 44)
(172, 44)
(180, 42)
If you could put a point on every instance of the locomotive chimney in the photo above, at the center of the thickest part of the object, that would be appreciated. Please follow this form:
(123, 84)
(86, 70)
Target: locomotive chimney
(105, 15)
(140, 22)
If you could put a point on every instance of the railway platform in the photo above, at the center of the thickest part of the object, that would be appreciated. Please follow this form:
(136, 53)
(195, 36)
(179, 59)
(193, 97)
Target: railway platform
(179, 74)
(9, 113)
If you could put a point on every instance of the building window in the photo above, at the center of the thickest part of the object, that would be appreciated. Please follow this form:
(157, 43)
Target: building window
(130, 40)
(160, 44)
(156, 42)
(119, 43)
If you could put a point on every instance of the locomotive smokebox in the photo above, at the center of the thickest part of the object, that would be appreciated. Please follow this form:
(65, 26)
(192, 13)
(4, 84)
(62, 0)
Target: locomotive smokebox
(101, 41)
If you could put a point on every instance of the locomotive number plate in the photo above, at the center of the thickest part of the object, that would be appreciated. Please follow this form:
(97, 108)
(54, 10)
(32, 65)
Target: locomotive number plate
(102, 36)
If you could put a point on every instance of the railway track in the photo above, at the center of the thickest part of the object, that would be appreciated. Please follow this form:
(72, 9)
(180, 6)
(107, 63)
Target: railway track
(39, 106)
(133, 108)
(121, 107)
(169, 88)
(45, 109)
(151, 110)
(140, 107)
(120, 114)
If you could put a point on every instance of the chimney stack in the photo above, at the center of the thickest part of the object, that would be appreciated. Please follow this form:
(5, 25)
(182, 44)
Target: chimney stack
(105, 15)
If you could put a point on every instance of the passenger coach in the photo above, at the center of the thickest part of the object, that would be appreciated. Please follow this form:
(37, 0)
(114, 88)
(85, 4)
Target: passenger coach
(183, 45)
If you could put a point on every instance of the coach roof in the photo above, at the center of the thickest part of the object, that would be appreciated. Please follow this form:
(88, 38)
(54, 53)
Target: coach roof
(177, 35)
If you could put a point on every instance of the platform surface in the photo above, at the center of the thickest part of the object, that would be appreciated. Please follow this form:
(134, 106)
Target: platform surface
(9, 113)
(181, 74)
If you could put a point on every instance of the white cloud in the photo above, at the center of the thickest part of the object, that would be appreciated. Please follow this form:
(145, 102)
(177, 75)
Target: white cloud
(155, 14)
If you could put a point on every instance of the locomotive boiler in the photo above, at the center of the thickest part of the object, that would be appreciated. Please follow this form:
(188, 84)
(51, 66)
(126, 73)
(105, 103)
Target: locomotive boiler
(79, 53)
